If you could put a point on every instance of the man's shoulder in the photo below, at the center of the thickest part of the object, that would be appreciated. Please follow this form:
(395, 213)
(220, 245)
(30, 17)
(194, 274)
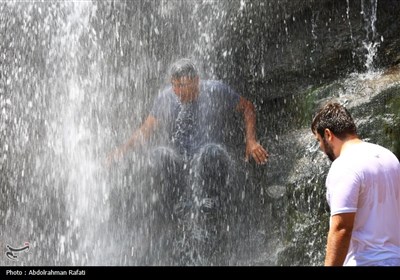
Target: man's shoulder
(214, 84)
(165, 93)
(167, 90)
(164, 101)
(373, 149)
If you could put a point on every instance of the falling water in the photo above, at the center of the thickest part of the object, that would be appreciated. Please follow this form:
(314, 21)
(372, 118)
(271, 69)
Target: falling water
(57, 150)
(371, 43)
(72, 90)
(77, 77)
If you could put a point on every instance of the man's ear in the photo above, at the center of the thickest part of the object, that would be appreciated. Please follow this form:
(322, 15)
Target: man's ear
(328, 135)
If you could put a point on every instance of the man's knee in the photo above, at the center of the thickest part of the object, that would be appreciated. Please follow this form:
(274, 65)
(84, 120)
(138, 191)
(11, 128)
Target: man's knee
(213, 161)
(165, 176)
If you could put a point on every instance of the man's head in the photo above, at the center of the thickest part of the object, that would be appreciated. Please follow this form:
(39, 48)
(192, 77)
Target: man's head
(185, 80)
(332, 125)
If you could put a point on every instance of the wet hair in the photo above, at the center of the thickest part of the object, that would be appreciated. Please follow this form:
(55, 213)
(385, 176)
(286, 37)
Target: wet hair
(183, 68)
(336, 118)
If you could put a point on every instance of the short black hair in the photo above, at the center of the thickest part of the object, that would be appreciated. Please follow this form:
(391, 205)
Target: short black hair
(336, 118)
(184, 67)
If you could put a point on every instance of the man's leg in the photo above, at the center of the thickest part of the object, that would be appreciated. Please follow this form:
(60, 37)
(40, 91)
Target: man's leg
(212, 168)
(165, 183)
(166, 180)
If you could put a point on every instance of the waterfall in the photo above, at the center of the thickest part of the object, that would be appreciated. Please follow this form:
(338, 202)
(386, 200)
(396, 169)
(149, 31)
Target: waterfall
(371, 42)
(78, 77)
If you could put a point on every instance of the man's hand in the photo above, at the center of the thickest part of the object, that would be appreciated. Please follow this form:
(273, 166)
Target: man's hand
(259, 154)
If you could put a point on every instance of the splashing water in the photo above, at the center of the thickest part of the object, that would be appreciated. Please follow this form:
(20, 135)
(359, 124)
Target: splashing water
(371, 43)
(76, 77)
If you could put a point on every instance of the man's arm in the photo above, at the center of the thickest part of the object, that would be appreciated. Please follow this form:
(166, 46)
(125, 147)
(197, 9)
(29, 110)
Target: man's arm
(341, 227)
(253, 148)
(138, 137)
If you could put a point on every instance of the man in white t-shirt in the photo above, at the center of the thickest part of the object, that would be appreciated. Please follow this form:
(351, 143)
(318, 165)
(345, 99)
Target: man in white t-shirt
(363, 192)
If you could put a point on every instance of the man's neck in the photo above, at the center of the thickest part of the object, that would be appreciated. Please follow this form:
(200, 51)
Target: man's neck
(350, 141)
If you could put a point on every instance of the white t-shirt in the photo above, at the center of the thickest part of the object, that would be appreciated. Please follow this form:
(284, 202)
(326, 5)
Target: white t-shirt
(365, 179)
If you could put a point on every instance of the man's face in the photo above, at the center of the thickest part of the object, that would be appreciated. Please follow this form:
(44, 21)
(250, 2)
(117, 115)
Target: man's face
(186, 88)
(325, 147)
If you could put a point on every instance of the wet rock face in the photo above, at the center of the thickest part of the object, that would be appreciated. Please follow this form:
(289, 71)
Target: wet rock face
(303, 214)
(76, 82)
(281, 47)
(264, 49)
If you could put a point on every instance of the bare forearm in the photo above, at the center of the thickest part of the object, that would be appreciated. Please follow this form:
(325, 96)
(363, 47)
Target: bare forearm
(140, 136)
(253, 148)
(137, 139)
(250, 121)
(134, 141)
(339, 237)
(337, 248)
